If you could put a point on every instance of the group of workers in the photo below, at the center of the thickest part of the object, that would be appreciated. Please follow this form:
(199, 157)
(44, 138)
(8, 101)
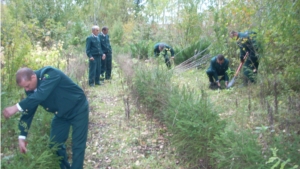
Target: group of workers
(58, 94)
(248, 55)
(219, 65)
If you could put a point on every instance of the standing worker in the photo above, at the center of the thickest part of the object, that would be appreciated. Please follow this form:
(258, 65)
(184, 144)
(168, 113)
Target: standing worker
(162, 48)
(58, 94)
(218, 67)
(106, 64)
(95, 55)
(247, 43)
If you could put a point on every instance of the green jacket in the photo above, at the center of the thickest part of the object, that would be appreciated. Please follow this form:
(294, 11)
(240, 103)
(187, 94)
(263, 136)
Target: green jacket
(165, 50)
(93, 46)
(219, 69)
(55, 91)
(105, 43)
(246, 44)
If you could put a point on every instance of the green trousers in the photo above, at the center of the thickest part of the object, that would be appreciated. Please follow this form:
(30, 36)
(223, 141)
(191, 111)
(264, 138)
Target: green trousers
(106, 66)
(78, 118)
(249, 66)
(95, 70)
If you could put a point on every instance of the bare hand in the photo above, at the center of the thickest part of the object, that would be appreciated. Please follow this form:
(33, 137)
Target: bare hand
(219, 84)
(22, 145)
(103, 56)
(9, 111)
(226, 83)
(91, 58)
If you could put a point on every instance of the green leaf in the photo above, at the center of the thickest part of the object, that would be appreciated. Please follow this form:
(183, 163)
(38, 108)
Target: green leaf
(284, 163)
(271, 160)
(276, 164)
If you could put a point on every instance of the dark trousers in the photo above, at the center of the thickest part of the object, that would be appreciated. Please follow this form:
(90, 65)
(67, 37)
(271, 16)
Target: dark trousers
(168, 63)
(210, 74)
(167, 60)
(250, 64)
(60, 127)
(95, 70)
(106, 66)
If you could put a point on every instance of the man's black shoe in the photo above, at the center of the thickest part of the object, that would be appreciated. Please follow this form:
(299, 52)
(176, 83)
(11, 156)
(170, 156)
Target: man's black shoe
(213, 85)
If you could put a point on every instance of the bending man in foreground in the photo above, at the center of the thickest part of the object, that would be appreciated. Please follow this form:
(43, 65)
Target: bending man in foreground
(218, 67)
(58, 94)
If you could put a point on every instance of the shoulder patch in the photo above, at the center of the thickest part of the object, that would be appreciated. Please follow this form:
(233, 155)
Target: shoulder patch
(46, 76)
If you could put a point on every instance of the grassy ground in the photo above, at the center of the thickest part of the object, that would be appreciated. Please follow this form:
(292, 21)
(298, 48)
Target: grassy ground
(122, 136)
(117, 140)
(233, 104)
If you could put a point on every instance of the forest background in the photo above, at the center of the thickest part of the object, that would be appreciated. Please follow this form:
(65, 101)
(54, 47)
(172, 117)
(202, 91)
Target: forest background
(35, 33)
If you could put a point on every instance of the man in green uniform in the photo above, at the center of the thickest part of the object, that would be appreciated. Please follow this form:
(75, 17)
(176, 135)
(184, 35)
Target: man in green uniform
(247, 43)
(58, 94)
(106, 64)
(218, 67)
(95, 55)
(162, 48)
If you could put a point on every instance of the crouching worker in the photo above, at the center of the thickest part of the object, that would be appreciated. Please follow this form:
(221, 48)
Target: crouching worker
(218, 67)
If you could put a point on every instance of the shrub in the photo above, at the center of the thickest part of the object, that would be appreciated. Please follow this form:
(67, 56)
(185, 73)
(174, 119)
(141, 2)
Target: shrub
(191, 50)
(280, 161)
(189, 117)
(38, 155)
(237, 149)
(152, 87)
(117, 33)
(140, 49)
(193, 124)
(288, 147)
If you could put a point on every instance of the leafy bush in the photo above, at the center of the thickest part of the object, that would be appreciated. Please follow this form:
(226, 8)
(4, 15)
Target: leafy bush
(140, 49)
(189, 118)
(152, 86)
(292, 76)
(237, 149)
(40, 57)
(279, 161)
(117, 33)
(38, 155)
(79, 33)
(193, 124)
(191, 50)
(288, 147)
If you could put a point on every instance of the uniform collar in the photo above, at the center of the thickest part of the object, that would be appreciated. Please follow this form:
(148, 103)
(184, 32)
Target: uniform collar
(39, 78)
